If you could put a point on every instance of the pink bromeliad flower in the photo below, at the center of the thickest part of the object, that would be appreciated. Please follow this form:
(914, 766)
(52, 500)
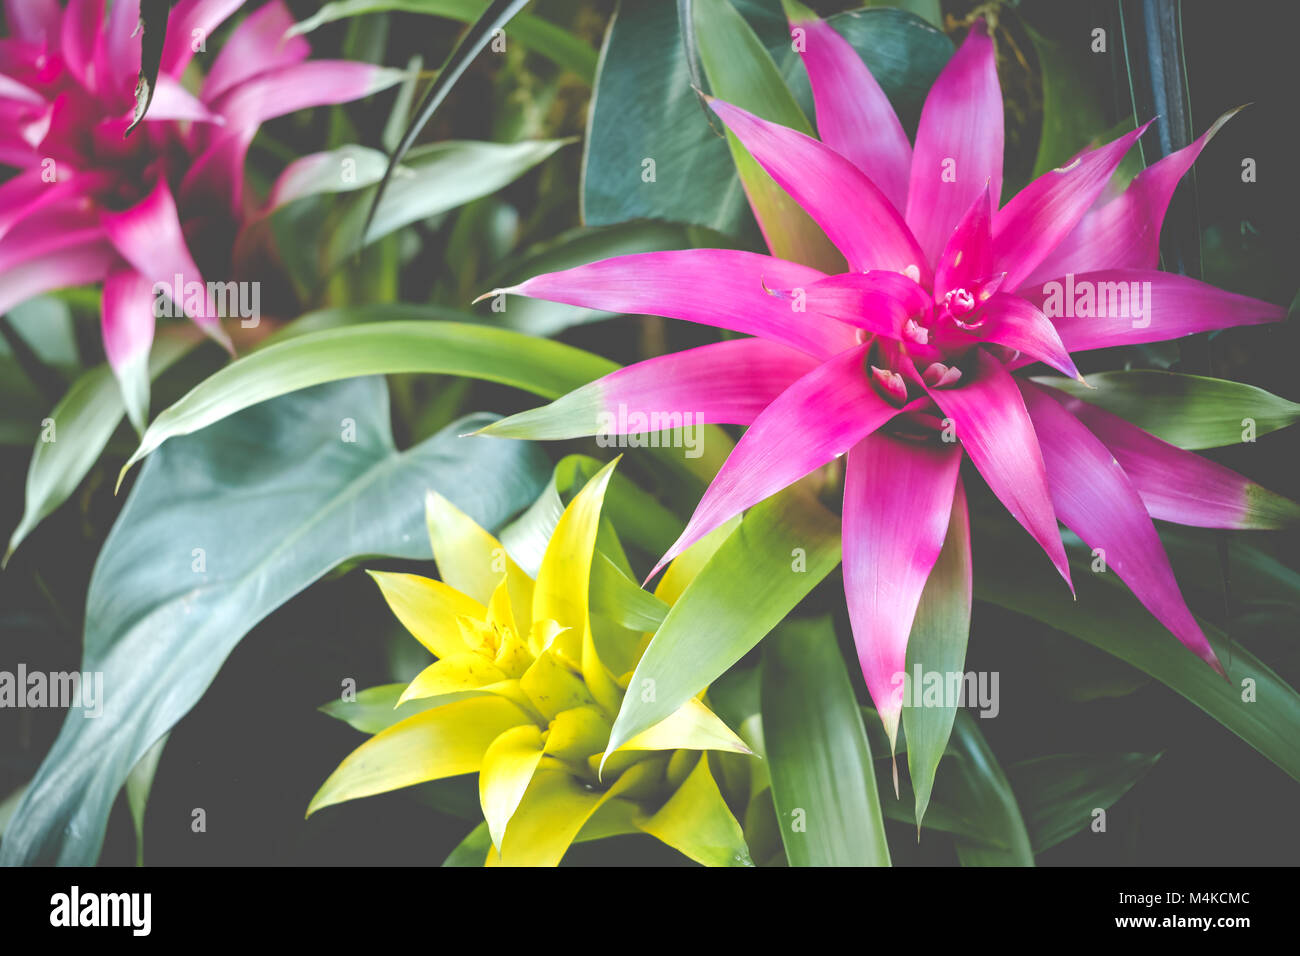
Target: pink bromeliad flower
(90, 204)
(905, 362)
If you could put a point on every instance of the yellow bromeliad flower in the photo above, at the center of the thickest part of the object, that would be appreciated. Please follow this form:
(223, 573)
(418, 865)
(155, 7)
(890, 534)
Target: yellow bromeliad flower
(521, 695)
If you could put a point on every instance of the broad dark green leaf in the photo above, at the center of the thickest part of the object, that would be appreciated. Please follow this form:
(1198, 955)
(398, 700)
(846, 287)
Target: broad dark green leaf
(823, 785)
(645, 109)
(1073, 111)
(222, 528)
(1190, 411)
(1254, 703)
(1059, 793)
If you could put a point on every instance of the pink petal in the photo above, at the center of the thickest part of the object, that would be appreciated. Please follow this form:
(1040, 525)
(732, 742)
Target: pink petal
(1112, 307)
(1096, 500)
(878, 301)
(897, 501)
(81, 25)
(1011, 321)
(28, 193)
(34, 20)
(128, 326)
(822, 415)
(216, 177)
(854, 117)
(117, 52)
(1176, 485)
(718, 287)
(968, 255)
(854, 213)
(256, 46)
(992, 425)
(191, 20)
(171, 101)
(958, 143)
(300, 86)
(80, 260)
(1124, 233)
(148, 235)
(1038, 217)
(727, 383)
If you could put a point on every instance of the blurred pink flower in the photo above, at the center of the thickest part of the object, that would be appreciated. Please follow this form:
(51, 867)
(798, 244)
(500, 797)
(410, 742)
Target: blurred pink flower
(905, 362)
(89, 204)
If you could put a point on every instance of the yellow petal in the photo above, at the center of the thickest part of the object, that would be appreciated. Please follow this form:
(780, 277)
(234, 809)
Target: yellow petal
(691, 727)
(550, 816)
(442, 742)
(460, 672)
(508, 768)
(472, 560)
(598, 678)
(552, 687)
(563, 581)
(697, 822)
(429, 610)
(578, 733)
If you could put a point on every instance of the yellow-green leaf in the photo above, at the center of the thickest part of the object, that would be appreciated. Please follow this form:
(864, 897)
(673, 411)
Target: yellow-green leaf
(443, 742)
(428, 609)
(697, 822)
(472, 561)
(691, 727)
(508, 768)
(451, 675)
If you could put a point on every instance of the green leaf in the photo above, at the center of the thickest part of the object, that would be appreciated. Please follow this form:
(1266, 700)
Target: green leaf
(138, 784)
(937, 645)
(973, 780)
(82, 423)
(644, 108)
(556, 44)
(493, 18)
(1059, 793)
(376, 708)
(1190, 411)
(434, 179)
(152, 26)
(742, 72)
(789, 543)
(221, 529)
(827, 805)
(472, 850)
(1073, 112)
(1107, 616)
(379, 348)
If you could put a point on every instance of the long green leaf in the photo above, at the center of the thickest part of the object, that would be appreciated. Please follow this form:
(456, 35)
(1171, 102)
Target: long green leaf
(381, 348)
(823, 785)
(494, 18)
(974, 781)
(1190, 411)
(742, 72)
(553, 42)
(221, 529)
(82, 423)
(781, 550)
(1107, 616)
(937, 645)
(1060, 793)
